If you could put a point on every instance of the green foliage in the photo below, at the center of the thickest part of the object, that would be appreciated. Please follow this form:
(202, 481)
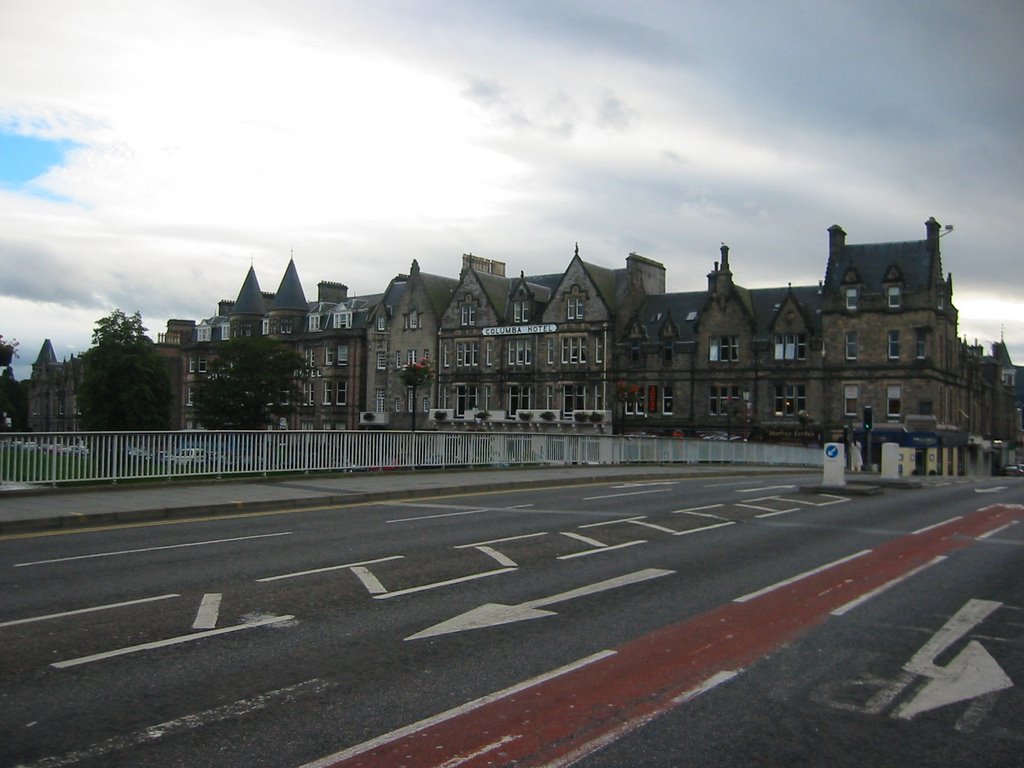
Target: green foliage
(126, 385)
(253, 381)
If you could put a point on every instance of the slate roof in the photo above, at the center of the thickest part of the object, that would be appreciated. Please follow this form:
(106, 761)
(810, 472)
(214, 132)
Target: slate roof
(250, 298)
(289, 293)
(872, 261)
(46, 354)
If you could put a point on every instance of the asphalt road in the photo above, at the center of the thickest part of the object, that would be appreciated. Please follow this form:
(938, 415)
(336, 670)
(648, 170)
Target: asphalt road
(729, 621)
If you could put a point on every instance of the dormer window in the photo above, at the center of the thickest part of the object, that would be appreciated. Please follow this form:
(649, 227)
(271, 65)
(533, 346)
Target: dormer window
(203, 333)
(341, 319)
(468, 311)
(314, 322)
(382, 322)
(574, 308)
(852, 296)
(414, 318)
(893, 296)
(521, 311)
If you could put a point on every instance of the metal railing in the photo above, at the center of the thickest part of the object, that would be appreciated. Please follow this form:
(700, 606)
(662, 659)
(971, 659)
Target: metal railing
(54, 458)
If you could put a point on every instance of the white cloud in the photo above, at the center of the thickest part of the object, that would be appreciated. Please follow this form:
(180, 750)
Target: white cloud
(361, 136)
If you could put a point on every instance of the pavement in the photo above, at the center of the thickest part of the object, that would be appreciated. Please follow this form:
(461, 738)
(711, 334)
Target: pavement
(28, 509)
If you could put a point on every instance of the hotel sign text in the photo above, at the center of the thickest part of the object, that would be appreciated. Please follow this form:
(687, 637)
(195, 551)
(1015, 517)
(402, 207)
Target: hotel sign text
(515, 330)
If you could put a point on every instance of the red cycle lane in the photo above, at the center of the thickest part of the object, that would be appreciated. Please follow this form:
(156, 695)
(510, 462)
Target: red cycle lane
(561, 717)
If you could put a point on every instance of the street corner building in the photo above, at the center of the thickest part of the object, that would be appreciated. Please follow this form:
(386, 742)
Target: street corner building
(868, 355)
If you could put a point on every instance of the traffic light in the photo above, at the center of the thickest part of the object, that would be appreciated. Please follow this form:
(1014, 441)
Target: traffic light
(867, 418)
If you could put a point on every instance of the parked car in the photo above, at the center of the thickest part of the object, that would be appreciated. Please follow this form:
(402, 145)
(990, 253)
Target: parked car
(1013, 469)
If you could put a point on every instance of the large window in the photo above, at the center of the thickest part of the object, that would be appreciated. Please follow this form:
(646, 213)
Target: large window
(468, 314)
(921, 344)
(467, 354)
(519, 396)
(574, 308)
(790, 346)
(894, 400)
(466, 398)
(894, 345)
(574, 397)
(852, 295)
(520, 352)
(521, 311)
(851, 398)
(574, 350)
(851, 345)
(721, 398)
(724, 349)
(790, 399)
(382, 361)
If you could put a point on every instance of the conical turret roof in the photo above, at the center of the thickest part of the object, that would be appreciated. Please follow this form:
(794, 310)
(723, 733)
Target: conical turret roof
(250, 298)
(289, 294)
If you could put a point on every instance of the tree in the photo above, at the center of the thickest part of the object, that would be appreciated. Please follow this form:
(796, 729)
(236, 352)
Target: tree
(253, 381)
(125, 383)
(414, 375)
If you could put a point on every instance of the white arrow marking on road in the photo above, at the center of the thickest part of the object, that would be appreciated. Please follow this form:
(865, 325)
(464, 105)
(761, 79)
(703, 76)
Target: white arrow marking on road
(971, 674)
(494, 614)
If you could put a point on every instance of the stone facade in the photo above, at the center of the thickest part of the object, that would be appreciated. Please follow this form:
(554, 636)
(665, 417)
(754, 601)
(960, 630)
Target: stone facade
(609, 349)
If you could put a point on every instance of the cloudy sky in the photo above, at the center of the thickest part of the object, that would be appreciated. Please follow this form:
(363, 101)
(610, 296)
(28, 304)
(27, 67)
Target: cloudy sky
(151, 151)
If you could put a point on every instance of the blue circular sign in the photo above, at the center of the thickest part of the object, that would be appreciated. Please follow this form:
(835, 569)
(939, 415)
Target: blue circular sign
(832, 451)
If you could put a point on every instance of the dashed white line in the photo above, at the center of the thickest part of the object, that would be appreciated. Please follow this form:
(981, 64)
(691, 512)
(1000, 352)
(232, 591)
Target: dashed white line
(445, 583)
(329, 568)
(153, 549)
(78, 611)
(879, 590)
(800, 577)
(602, 548)
(169, 641)
(392, 736)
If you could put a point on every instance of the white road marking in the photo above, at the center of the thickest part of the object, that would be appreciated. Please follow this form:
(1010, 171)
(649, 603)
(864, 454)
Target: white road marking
(501, 540)
(972, 673)
(209, 610)
(79, 611)
(445, 583)
(180, 725)
(800, 577)
(590, 747)
(169, 641)
(936, 525)
(502, 558)
(371, 582)
(435, 517)
(705, 528)
(1002, 528)
(153, 549)
(633, 493)
(496, 614)
(458, 760)
(584, 539)
(451, 714)
(844, 609)
(776, 513)
(699, 511)
(601, 549)
(329, 568)
(765, 488)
